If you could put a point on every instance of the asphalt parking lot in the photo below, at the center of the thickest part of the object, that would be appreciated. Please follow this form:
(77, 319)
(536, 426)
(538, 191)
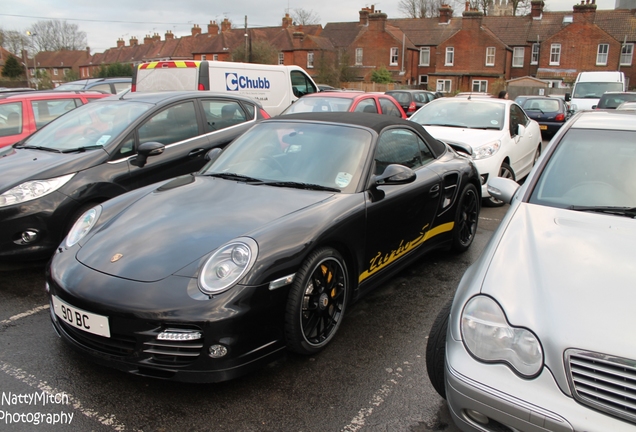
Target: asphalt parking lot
(371, 378)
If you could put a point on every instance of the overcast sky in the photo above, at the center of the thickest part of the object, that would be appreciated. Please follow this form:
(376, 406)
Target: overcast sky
(105, 21)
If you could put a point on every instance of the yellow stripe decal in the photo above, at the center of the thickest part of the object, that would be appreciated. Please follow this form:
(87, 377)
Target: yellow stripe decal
(380, 261)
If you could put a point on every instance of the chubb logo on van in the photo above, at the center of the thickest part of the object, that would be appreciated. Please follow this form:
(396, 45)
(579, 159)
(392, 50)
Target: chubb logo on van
(236, 82)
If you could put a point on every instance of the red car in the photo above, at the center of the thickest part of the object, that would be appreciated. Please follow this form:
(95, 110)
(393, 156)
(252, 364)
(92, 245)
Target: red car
(24, 113)
(347, 101)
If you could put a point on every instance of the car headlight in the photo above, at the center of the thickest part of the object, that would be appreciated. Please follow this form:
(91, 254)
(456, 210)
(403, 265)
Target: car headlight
(488, 336)
(227, 265)
(82, 226)
(486, 150)
(32, 189)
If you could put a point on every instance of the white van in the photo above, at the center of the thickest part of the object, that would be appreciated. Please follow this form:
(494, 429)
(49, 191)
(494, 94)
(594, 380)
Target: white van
(590, 86)
(274, 86)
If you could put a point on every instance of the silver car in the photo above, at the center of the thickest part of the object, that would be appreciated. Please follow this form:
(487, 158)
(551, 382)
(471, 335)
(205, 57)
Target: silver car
(540, 333)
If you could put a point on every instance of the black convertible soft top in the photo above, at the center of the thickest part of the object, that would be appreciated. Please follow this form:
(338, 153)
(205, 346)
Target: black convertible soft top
(377, 122)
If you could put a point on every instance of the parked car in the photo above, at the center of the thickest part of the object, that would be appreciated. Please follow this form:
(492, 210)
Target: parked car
(347, 101)
(505, 142)
(102, 150)
(551, 113)
(326, 87)
(627, 106)
(411, 100)
(471, 95)
(535, 338)
(208, 276)
(105, 85)
(611, 100)
(21, 114)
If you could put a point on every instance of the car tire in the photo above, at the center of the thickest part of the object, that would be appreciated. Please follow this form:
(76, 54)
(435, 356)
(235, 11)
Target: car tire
(436, 350)
(466, 219)
(505, 171)
(316, 302)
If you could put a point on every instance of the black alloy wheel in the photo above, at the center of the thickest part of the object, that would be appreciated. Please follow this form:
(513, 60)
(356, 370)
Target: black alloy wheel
(466, 219)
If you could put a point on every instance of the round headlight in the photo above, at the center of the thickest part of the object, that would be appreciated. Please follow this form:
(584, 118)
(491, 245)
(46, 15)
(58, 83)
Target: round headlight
(82, 226)
(227, 265)
(488, 336)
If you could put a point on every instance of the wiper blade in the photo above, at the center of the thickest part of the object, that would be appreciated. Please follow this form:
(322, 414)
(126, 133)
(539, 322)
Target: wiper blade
(446, 125)
(235, 176)
(30, 147)
(82, 149)
(620, 211)
(298, 185)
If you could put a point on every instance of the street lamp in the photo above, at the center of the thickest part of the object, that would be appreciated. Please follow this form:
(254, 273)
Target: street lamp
(35, 68)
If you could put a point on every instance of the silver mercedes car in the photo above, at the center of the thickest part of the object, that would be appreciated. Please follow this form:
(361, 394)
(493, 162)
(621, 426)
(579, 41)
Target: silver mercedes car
(541, 332)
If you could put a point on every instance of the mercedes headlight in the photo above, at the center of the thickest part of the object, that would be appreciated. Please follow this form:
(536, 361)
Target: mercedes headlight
(488, 336)
(227, 265)
(32, 189)
(82, 226)
(486, 150)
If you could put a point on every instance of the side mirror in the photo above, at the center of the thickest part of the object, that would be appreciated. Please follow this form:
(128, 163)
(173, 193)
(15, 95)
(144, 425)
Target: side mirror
(395, 174)
(502, 189)
(521, 129)
(146, 149)
(213, 154)
(568, 97)
(594, 106)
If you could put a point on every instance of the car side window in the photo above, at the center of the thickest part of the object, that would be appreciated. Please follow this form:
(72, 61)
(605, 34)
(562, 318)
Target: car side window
(389, 107)
(367, 106)
(127, 148)
(398, 146)
(220, 114)
(173, 124)
(46, 111)
(104, 88)
(10, 119)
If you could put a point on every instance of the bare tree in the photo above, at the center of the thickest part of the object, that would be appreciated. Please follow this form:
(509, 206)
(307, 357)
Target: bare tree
(305, 17)
(55, 35)
(15, 42)
(420, 8)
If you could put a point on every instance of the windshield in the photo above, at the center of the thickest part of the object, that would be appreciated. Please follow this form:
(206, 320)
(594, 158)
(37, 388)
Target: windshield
(451, 112)
(92, 125)
(594, 90)
(543, 105)
(319, 104)
(326, 155)
(590, 168)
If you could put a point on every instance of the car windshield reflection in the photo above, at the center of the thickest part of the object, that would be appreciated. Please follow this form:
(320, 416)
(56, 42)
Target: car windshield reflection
(591, 170)
(472, 114)
(316, 104)
(90, 126)
(295, 154)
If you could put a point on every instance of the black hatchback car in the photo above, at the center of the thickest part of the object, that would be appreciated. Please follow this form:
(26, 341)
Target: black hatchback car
(103, 149)
(411, 100)
(551, 113)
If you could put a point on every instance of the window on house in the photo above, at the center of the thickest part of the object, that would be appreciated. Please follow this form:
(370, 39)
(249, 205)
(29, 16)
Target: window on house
(444, 86)
(393, 61)
(359, 53)
(601, 54)
(627, 53)
(425, 56)
(32, 71)
(310, 60)
(480, 86)
(203, 57)
(424, 80)
(281, 58)
(54, 71)
(490, 56)
(450, 56)
(518, 54)
(215, 57)
(555, 54)
(535, 54)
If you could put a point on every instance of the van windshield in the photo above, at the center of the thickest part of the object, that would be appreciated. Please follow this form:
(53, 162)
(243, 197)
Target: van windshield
(594, 90)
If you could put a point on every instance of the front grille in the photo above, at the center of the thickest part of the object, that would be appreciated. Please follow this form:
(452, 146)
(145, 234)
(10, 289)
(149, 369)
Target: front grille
(604, 382)
(173, 353)
(115, 345)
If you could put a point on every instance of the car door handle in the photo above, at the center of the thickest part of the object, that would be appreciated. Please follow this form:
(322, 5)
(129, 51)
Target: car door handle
(196, 152)
(434, 191)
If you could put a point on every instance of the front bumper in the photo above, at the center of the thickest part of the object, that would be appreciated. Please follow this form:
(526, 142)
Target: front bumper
(511, 403)
(248, 321)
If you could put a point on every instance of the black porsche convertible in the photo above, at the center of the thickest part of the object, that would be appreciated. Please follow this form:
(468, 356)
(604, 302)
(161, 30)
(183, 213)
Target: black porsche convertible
(208, 276)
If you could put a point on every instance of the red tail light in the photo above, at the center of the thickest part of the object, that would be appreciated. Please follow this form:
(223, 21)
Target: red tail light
(560, 117)
(412, 107)
(133, 88)
(264, 113)
(201, 86)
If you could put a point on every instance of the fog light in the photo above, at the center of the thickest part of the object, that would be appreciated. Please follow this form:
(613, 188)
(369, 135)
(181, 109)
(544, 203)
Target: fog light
(29, 236)
(217, 351)
(179, 335)
(477, 416)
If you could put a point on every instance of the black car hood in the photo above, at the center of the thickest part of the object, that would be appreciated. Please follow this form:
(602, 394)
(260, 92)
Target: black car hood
(20, 165)
(183, 221)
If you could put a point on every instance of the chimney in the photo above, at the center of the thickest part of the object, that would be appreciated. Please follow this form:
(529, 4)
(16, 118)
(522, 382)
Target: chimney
(147, 40)
(377, 20)
(196, 30)
(287, 21)
(364, 15)
(445, 14)
(471, 18)
(585, 12)
(134, 41)
(169, 35)
(537, 9)
(120, 43)
(226, 25)
(88, 50)
(156, 37)
(213, 28)
(299, 34)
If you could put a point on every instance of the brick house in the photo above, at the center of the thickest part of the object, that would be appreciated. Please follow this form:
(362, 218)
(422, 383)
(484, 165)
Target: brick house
(57, 64)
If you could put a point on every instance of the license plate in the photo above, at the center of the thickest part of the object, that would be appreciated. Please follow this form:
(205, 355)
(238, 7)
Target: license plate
(543, 127)
(81, 319)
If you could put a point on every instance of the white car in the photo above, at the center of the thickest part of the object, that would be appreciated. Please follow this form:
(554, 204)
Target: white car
(505, 142)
